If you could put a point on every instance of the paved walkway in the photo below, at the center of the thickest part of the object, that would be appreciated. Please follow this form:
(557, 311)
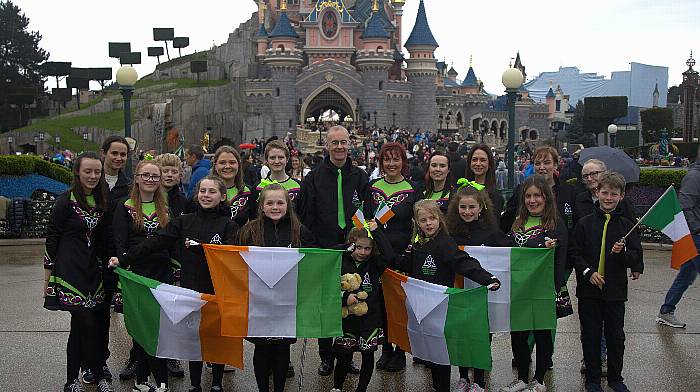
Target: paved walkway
(657, 358)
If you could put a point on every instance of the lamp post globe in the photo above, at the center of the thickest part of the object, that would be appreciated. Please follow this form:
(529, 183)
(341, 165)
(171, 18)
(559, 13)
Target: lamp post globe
(127, 76)
(512, 79)
(612, 130)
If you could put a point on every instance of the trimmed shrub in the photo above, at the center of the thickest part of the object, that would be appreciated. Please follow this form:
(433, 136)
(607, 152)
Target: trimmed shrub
(661, 178)
(19, 165)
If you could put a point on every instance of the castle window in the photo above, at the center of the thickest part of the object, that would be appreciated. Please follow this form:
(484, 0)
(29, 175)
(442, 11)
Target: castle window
(558, 104)
(280, 47)
(277, 92)
(380, 48)
(381, 85)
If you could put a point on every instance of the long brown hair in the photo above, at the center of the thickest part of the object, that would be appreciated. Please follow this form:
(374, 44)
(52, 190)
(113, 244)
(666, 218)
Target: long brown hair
(549, 215)
(160, 200)
(238, 180)
(490, 180)
(101, 190)
(253, 233)
(429, 185)
(455, 223)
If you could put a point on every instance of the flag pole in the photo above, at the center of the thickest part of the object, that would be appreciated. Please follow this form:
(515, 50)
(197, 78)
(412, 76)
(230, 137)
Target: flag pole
(648, 211)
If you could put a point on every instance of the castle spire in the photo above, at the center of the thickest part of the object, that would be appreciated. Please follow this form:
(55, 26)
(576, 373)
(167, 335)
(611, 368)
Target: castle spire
(283, 6)
(283, 28)
(421, 34)
(375, 28)
(375, 6)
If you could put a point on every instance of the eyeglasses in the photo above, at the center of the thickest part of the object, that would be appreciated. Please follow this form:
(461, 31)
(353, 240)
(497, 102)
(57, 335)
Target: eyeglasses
(590, 175)
(336, 143)
(149, 177)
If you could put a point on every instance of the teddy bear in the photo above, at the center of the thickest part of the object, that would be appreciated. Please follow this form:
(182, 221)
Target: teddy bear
(350, 283)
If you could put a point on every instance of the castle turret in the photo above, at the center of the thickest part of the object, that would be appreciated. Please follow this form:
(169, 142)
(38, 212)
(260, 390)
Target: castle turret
(550, 99)
(261, 39)
(284, 61)
(655, 96)
(374, 62)
(421, 71)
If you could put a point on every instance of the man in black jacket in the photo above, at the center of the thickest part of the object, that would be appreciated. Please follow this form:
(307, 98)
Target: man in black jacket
(326, 214)
(601, 256)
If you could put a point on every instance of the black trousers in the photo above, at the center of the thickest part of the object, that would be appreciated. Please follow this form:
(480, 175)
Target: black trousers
(479, 374)
(343, 367)
(325, 350)
(521, 350)
(440, 375)
(104, 326)
(84, 345)
(598, 317)
(196, 374)
(271, 358)
(147, 364)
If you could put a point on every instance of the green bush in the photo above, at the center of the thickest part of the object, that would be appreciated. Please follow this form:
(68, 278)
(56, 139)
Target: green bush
(20, 165)
(655, 177)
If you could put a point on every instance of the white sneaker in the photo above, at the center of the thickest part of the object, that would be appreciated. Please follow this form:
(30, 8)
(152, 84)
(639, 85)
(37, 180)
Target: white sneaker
(535, 386)
(145, 387)
(336, 390)
(162, 388)
(475, 388)
(515, 386)
(462, 386)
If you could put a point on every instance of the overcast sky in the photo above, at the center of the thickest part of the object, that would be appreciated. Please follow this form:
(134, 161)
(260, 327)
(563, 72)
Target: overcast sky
(597, 36)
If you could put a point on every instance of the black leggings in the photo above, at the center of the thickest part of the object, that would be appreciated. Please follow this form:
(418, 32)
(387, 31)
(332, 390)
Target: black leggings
(545, 348)
(441, 376)
(104, 321)
(84, 344)
(271, 358)
(147, 364)
(341, 370)
(479, 375)
(196, 374)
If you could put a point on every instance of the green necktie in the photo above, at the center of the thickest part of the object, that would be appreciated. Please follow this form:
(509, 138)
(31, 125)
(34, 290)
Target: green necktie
(341, 207)
(601, 263)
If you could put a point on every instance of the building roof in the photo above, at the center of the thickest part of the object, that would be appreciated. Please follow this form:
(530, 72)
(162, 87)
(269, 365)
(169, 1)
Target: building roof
(283, 28)
(262, 32)
(374, 28)
(470, 80)
(451, 83)
(452, 71)
(421, 34)
(550, 93)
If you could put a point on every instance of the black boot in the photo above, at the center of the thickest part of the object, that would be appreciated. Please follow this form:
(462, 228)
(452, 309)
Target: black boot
(397, 362)
(387, 351)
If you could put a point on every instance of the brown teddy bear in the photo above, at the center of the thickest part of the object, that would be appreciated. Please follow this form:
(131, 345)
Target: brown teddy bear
(350, 283)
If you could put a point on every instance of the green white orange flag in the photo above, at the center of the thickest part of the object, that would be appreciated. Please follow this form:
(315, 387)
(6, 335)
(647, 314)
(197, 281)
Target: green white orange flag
(667, 216)
(277, 292)
(442, 325)
(174, 322)
(383, 213)
(526, 299)
(358, 220)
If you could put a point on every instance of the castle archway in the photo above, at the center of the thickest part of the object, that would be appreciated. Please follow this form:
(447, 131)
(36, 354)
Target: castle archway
(328, 96)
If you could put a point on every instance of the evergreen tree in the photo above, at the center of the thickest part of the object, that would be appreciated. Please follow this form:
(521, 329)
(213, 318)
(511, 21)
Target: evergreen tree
(576, 132)
(21, 78)
(653, 121)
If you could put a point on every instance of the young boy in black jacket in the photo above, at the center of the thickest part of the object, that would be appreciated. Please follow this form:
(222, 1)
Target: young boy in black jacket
(601, 256)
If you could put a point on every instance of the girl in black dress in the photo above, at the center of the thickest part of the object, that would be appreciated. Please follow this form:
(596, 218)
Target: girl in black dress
(361, 333)
(210, 224)
(277, 225)
(75, 256)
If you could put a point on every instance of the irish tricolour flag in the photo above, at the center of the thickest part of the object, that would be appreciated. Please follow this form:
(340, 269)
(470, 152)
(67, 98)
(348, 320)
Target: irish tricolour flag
(526, 299)
(277, 292)
(173, 322)
(438, 324)
(667, 216)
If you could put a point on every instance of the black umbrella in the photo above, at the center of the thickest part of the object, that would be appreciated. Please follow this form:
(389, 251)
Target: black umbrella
(615, 159)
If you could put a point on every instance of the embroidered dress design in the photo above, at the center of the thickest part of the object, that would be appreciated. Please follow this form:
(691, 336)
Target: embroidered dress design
(521, 237)
(91, 219)
(216, 239)
(70, 296)
(429, 267)
(379, 196)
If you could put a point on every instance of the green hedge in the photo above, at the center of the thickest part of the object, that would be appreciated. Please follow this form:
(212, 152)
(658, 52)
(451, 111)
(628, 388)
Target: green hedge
(19, 165)
(656, 177)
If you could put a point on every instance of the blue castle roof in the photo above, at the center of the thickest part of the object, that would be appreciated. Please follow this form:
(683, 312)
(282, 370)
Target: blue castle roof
(374, 28)
(550, 93)
(421, 34)
(262, 32)
(283, 28)
(470, 80)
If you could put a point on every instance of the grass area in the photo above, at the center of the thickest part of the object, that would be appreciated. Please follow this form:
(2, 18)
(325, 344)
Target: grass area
(180, 83)
(71, 140)
(83, 105)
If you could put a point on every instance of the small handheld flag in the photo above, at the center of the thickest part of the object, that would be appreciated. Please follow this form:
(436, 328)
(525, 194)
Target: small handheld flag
(384, 213)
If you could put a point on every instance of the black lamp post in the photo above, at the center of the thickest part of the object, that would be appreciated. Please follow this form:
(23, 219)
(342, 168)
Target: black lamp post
(440, 118)
(85, 139)
(10, 140)
(375, 118)
(36, 144)
(393, 119)
(512, 79)
(42, 136)
(447, 124)
(126, 78)
(57, 139)
(612, 130)
(555, 132)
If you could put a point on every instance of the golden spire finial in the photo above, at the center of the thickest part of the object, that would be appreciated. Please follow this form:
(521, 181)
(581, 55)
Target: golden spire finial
(375, 6)
(283, 6)
(470, 60)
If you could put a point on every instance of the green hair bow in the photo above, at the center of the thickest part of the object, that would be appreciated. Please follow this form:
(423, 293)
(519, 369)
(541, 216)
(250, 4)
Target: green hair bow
(462, 182)
(148, 157)
(265, 182)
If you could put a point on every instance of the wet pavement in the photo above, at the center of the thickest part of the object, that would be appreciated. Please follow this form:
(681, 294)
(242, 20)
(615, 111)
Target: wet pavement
(657, 358)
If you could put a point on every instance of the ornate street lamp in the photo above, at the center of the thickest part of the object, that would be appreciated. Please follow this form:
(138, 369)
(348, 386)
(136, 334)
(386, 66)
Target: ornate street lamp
(612, 130)
(375, 118)
(57, 139)
(10, 140)
(126, 78)
(512, 79)
(393, 119)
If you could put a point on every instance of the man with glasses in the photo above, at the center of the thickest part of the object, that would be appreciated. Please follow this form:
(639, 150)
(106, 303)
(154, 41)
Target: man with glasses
(330, 195)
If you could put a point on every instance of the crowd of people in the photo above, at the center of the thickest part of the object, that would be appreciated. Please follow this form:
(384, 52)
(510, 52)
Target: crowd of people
(442, 194)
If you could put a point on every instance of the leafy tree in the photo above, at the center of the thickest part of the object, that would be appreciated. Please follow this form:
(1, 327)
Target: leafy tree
(574, 132)
(653, 121)
(21, 78)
